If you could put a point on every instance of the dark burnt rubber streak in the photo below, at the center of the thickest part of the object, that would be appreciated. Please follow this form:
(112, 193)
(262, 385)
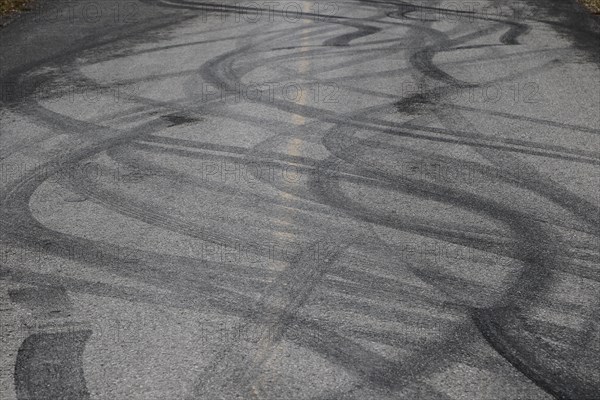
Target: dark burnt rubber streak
(50, 365)
(344, 40)
(536, 248)
(557, 380)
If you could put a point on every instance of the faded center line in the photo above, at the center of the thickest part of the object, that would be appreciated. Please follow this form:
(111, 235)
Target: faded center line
(266, 345)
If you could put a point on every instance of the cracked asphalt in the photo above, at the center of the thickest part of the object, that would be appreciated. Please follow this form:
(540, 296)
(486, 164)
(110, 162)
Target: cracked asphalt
(300, 200)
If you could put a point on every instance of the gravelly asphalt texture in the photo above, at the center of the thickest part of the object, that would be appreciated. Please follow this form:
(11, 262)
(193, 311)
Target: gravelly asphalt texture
(300, 200)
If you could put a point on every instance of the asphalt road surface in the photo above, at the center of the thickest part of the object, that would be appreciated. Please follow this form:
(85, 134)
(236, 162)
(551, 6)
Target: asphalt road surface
(300, 200)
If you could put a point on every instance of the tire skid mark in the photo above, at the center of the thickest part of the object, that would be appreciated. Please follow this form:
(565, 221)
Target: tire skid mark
(534, 279)
(50, 364)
